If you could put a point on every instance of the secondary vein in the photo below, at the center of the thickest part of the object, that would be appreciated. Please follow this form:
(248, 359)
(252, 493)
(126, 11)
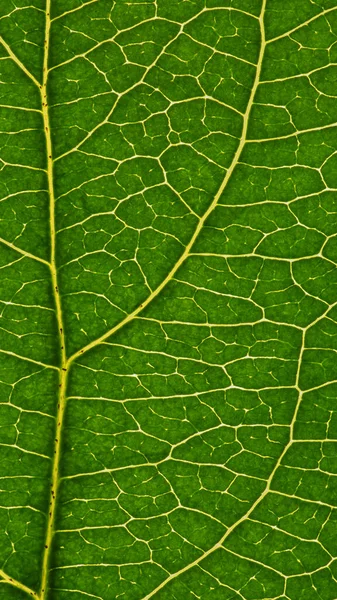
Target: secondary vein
(202, 220)
(19, 63)
(24, 252)
(13, 582)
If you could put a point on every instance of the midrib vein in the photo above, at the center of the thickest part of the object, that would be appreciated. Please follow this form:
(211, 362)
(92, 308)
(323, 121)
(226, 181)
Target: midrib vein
(53, 268)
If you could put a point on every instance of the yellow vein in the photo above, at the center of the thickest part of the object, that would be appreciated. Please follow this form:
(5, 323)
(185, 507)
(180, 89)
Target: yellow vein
(53, 269)
(24, 252)
(314, 18)
(202, 220)
(68, 12)
(18, 62)
(293, 133)
(38, 110)
(17, 584)
(35, 362)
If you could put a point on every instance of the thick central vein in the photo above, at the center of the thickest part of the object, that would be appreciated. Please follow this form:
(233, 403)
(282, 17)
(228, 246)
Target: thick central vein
(53, 268)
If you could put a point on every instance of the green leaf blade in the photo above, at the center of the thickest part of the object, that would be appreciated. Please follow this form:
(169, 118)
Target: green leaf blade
(168, 300)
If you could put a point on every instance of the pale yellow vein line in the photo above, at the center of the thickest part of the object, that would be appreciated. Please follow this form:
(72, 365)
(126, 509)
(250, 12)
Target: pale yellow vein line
(202, 220)
(53, 269)
(24, 252)
(68, 12)
(17, 584)
(18, 62)
(35, 362)
(24, 108)
(292, 134)
(287, 33)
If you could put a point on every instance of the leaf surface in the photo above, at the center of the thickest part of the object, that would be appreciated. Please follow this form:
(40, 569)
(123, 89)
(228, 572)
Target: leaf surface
(168, 290)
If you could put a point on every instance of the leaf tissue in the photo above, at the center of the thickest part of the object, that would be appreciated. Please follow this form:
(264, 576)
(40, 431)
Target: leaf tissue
(168, 292)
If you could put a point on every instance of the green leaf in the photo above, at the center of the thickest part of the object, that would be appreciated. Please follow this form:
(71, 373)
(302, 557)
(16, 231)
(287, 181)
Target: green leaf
(168, 290)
